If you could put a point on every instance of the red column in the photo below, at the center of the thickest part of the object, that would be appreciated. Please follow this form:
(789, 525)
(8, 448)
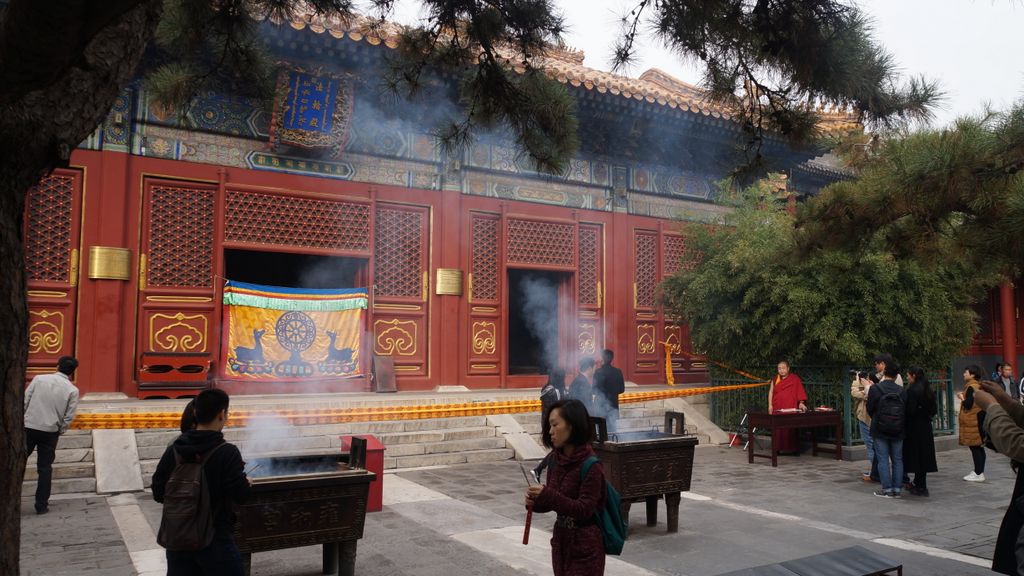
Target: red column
(1007, 316)
(105, 306)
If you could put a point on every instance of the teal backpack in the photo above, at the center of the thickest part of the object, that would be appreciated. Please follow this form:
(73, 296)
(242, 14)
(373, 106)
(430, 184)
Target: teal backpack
(609, 517)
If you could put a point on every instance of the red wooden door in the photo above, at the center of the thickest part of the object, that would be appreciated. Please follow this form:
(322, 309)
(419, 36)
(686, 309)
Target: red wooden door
(53, 217)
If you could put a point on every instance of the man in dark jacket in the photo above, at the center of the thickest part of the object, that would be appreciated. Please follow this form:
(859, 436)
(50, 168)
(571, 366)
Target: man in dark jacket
(225, 479)
(582, 387)
(887, 406)
(608, 384)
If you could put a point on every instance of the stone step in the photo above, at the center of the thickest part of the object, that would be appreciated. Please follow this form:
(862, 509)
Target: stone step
(155, 437)
(75, 439)
(285, 444)
(65, 456)
(432, 436)
(148, 467)
(467, 445)
(66, 470)
(384, 427)
(449, 458)
(62, 486)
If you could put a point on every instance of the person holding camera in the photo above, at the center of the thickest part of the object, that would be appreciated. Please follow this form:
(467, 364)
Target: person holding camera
(1004, 428)
(859, 389)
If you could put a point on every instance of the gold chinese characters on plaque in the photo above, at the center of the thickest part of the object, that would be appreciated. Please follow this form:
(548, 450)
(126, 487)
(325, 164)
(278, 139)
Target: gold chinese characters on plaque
(108, 263)
(449, 282)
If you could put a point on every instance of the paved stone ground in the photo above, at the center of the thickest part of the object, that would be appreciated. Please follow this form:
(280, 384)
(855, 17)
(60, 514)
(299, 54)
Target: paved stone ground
(736, 516)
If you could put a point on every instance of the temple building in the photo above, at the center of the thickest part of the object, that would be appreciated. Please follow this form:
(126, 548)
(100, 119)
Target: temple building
(305, 245)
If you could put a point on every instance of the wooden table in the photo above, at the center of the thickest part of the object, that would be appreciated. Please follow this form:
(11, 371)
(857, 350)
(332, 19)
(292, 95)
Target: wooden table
(781, 420)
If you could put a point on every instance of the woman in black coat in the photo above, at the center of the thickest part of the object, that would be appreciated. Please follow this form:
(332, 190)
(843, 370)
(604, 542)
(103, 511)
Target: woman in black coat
(919, 444)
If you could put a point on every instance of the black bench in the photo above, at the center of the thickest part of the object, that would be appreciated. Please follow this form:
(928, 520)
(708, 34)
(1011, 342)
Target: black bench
(852, 561)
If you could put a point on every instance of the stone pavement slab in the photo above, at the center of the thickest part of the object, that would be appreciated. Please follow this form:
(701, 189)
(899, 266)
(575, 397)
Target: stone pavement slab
(467, 520)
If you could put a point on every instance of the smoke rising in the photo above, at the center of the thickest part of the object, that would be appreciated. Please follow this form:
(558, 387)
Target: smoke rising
(539, 306)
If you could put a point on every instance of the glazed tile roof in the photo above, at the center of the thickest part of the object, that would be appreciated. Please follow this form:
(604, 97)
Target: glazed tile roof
(566, 65)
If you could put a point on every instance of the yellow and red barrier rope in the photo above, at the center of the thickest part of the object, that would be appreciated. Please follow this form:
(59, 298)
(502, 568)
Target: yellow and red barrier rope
(296, 417)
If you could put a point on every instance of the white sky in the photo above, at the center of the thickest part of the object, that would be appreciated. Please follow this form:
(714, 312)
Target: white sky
(974, 48)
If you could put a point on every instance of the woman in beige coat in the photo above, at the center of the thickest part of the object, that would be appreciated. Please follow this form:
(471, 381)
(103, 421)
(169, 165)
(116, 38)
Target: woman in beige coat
(971, 419)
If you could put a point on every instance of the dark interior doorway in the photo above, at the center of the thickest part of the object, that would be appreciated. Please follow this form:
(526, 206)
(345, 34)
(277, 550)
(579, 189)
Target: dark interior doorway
(533, 320)
(294, 270)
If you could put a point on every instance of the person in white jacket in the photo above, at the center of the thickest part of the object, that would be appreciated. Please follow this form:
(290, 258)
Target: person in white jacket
(50, 404)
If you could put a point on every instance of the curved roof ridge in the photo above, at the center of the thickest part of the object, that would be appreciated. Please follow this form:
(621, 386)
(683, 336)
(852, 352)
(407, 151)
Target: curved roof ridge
(564, 64)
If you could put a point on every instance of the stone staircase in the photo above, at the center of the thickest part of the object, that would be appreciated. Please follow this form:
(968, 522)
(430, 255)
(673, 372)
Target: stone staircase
(632, 417)
(409, 443)
(73, 469)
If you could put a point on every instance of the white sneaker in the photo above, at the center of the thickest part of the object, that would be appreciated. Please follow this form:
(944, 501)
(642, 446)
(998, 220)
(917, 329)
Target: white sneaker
(972, 477)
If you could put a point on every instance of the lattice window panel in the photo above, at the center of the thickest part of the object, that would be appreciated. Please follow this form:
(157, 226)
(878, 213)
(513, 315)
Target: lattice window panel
(532, 242)
(646, 269)
(48, 233)
(303, 222)
(676, 255)
(399, 252)
(589, 258)
(485, 258)
(180, 237)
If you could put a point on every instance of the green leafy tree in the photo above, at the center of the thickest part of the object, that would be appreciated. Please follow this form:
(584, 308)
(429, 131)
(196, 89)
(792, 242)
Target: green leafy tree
(753, 298)
(775, 62)
(954, 194)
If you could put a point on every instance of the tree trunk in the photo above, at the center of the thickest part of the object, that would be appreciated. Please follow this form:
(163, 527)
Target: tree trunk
(38, 130)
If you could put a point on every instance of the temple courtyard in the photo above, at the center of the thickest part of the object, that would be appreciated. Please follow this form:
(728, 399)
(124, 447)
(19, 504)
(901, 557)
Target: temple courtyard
(468, 519)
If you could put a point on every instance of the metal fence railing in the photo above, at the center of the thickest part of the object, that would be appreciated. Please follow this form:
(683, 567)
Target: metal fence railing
(825, 386)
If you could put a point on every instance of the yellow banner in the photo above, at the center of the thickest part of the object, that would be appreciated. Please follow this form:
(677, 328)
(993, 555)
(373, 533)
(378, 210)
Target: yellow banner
(266, 344)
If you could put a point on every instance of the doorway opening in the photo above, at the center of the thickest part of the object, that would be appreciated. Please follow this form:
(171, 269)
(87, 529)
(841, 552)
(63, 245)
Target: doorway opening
(294, 270)
(534, 320)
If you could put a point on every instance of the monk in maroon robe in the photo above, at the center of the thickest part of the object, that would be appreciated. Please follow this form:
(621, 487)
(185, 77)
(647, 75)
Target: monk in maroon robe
(787, 393)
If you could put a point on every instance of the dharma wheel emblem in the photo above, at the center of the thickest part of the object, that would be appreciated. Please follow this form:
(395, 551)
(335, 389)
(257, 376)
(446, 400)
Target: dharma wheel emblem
(296, 332)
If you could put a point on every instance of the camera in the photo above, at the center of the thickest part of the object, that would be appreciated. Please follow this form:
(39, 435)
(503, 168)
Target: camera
(864, 374)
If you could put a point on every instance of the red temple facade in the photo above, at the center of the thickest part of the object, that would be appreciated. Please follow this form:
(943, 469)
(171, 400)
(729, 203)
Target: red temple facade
(128, 248)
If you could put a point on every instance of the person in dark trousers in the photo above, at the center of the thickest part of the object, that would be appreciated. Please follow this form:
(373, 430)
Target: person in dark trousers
(226, 482)
(50, 404)
(888, 446)
(582, 387)
(1005, 378)
(608, 384)
(1004, 427)
(971, 420)
(919, 444)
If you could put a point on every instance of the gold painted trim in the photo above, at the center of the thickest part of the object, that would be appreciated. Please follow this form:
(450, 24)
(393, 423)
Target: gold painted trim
(469, 286)
(178, 299)
(73, 272)
(484, 309)
(38, 370)
(588, 313)
(646, 364)
(174, 343)
(47, 294)
(110, 263)
(646, 315)
(426, 285)
(416, 307)
(142, 271)
(483, 366)
(635, 296)
(407, 368)
(600, 294)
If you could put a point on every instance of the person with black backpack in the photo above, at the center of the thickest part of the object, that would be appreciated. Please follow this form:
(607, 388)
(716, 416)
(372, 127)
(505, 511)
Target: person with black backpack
(198, 480)
(887, 406)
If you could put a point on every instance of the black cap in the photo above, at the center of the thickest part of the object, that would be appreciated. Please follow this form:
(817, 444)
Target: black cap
(67, 365)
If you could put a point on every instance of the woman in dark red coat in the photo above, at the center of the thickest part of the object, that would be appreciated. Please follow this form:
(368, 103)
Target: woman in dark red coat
(577, 545)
